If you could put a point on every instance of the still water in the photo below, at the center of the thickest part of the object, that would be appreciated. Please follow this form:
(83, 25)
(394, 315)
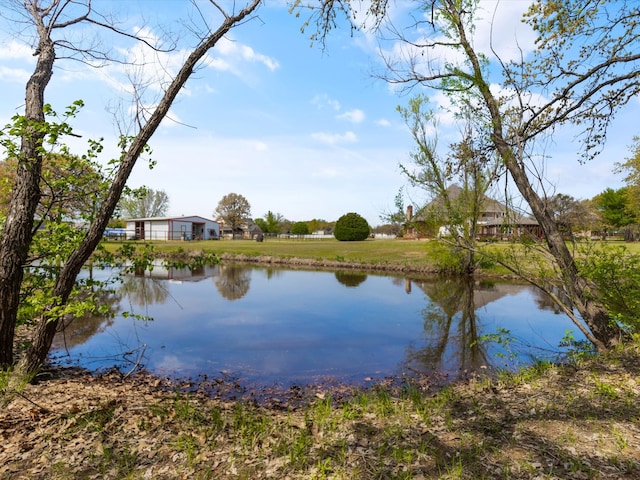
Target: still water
(266, 326)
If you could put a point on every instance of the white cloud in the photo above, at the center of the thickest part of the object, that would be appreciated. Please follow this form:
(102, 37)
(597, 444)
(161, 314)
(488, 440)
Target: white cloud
(499, 27)
(322, 101)
(353, 116)
(335, 138)
(325, 173)
(230, 49)
(383, 122)
(154, 70)
(220, 64)
(261, 146)
(16, 51)
(14, 75)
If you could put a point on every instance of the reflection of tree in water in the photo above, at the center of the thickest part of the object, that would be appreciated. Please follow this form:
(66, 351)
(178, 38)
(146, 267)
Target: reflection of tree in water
(545, 302)
(350, 279)
(450, 325)
(143, 291)
(233, 281)
(273, 272)
(76, 331)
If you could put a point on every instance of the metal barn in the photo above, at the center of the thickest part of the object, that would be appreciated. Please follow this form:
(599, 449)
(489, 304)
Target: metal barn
(172, 228)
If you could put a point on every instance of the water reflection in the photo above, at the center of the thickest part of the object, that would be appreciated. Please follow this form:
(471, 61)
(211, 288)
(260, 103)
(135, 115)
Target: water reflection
(450, 325)
(143, 290)
(76, 331)
(233, 281)
(299, 326)
(350, 279)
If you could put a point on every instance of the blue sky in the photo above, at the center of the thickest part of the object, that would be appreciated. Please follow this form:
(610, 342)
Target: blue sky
(298, 130)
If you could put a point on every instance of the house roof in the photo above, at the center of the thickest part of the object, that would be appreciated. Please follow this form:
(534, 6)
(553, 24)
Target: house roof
(512, 219)
(166, 219)
(454, 191)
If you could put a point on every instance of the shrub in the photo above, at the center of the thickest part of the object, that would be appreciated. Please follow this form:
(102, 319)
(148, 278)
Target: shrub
(616, 275)
(300, 228)
(351, 227)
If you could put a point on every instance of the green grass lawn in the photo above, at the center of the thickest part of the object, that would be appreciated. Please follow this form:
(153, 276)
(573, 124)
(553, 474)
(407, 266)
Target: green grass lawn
(417, 254)
(401, 252)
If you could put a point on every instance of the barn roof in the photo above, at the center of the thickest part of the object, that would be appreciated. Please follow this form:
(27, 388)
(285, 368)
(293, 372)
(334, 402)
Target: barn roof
(165, 219)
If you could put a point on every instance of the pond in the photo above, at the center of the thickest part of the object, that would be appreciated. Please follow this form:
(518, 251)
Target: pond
(273, 326)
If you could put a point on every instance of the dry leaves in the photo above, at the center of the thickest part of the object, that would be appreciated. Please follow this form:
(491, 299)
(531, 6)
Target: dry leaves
(566, 424)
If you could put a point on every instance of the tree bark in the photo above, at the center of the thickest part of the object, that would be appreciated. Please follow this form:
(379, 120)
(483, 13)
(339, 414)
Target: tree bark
(46, 329)
(18, 228)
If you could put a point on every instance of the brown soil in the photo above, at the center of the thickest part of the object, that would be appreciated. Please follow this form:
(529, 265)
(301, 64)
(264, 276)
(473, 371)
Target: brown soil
(568, 422)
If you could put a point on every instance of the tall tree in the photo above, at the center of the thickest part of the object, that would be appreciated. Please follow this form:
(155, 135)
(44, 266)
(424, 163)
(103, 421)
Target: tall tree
(572, 215)
(631, 168)
(144, 202)
(584, 68)
(271, 222)
(46, 18)
(465, 165)
(46, 21)
(614, 208)
(67, 182)
(234, 210)
(300, 228)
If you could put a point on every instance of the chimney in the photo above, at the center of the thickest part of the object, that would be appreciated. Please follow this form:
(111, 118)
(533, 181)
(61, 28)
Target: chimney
(409, 213)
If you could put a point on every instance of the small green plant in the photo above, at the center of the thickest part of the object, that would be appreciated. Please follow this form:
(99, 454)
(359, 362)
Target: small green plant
(97, 419)
(505, 340)
(216, 419)
(250, 426)
(616, 274)
(621, 441)
(383, 402)
(188, 445)
(446, 257)
(299, 449)
(187, 412)
(322, 411)
(416, 397)
(606, 390)
(578, 350)
(322, 469)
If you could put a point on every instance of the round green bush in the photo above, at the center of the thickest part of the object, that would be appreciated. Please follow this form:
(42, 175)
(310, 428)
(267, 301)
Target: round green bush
(351, 227)
(300, 228)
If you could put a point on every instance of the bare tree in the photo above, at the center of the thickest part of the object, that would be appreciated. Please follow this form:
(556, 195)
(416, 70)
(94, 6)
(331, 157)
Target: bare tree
(47, 18)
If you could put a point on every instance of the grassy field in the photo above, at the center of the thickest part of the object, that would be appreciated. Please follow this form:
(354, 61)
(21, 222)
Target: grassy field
(396, 252)
(418, 255)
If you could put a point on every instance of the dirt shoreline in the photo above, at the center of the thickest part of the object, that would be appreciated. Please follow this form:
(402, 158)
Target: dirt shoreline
(565, 422)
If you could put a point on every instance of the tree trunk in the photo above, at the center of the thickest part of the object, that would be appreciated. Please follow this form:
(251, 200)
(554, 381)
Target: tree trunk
(43, 336)
(17, 233)
(594, 314)
(580, 293)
